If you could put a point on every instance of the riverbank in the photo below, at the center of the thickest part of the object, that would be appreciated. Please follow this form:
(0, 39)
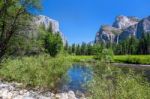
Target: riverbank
(131, 59)
(131, 65)
(15, 91)
(45, 72)
(35, 72)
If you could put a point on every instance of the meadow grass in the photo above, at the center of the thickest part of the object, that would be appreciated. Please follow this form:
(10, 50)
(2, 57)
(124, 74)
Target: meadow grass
(41, 71)
(118, 83)
(80, 58)
(46, 72)
(134, 59)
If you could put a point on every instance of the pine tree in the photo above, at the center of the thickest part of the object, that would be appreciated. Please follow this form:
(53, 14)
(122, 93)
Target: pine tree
(66, 47)
(78, 50)
(132, 45)
(70, 49)
(83, 49)
(89, 49)
(144, 44)
(73, 48)
(53, 43)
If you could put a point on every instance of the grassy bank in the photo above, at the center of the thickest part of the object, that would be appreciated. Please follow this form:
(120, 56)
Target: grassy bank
(108, 82)
(118, 83)
(79, 58)
(41, 71)
(134, 59)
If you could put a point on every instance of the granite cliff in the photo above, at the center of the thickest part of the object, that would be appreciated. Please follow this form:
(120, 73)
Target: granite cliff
(47, 23)
(122, 28)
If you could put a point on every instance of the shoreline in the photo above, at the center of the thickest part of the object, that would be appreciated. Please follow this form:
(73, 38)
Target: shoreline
(131, 65)
(15, 91)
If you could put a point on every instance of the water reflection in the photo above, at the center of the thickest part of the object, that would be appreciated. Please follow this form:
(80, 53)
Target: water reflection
(78, 76)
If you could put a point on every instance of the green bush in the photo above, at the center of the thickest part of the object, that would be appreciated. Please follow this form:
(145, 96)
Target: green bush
(41, 71)
(104, 55)
(53, 43)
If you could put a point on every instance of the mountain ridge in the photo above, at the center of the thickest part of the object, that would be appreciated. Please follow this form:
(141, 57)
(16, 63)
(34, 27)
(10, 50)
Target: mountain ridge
(122, 28)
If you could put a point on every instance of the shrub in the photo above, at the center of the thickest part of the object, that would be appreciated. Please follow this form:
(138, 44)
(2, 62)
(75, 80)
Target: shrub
(53, 44)
(105, 55)
(41, 71)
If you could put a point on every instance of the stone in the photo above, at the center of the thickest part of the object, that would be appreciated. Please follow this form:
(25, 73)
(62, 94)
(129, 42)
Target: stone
(7, 92)
(9, 95)
(18, 97)
(43, 97)
(71, 95)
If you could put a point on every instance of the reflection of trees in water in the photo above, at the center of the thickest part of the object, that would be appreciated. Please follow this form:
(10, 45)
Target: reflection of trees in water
(79, 76)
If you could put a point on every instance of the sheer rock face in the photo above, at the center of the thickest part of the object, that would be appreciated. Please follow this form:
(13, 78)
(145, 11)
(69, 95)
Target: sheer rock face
(47, 22)
(130, 31)
(143, 27)
(122, 28)
(123, 22)
(107, 34)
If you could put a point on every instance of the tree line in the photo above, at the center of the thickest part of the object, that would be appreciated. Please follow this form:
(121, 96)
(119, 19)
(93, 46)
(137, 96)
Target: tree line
(130, 46)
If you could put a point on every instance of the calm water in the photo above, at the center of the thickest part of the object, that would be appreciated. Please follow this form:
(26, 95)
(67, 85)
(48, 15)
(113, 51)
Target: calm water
(78, 77)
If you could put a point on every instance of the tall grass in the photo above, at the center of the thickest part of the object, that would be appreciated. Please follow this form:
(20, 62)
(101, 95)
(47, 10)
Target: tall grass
(135, 59)
(41, 71)
(108, 83)
(116, 83)
(80, 58)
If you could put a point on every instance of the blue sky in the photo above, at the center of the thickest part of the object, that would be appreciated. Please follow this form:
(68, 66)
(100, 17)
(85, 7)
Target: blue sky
(80, 19)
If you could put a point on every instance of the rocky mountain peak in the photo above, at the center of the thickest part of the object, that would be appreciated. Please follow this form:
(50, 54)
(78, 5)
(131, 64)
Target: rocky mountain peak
(122, 28)
(47, 22)
(143, 27)
(123, 22)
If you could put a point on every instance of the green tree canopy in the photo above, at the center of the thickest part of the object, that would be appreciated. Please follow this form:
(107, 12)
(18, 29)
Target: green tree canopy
(53, 43)
(15, 17)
